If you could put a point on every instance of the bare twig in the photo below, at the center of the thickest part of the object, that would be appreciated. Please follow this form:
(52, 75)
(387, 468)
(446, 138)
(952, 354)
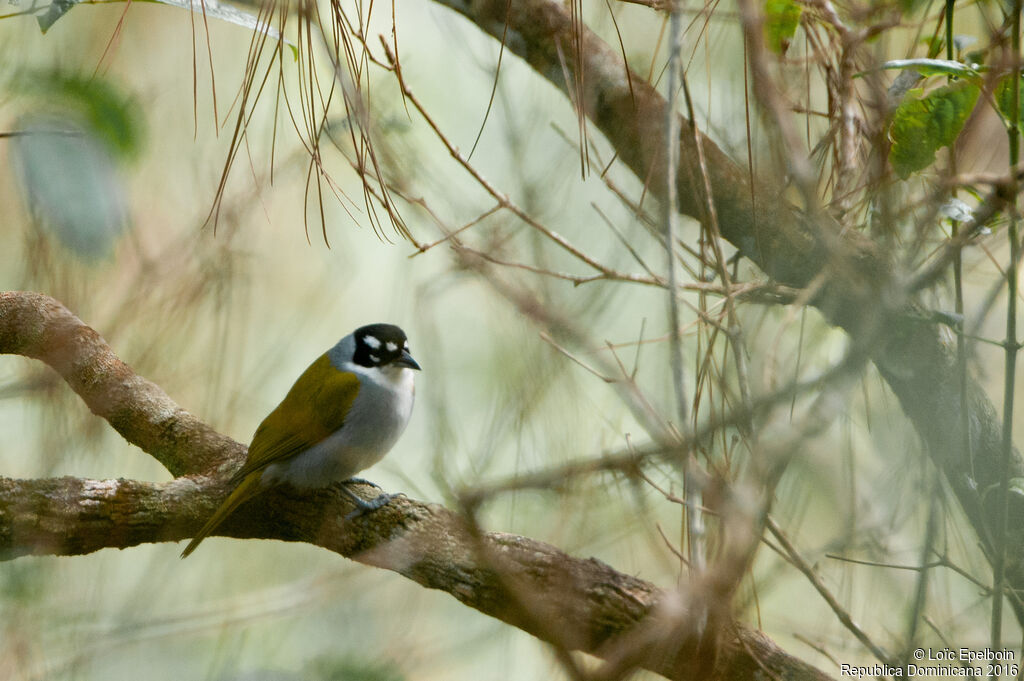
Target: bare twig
(595, 605)
(841, 613)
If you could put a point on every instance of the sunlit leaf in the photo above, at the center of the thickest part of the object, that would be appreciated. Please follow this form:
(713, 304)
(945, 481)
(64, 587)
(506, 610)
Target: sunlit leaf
(781, 18)
(921, 125)
(934, 67)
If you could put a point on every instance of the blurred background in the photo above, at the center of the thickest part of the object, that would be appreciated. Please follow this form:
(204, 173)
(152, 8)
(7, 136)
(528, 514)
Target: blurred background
(125, 115)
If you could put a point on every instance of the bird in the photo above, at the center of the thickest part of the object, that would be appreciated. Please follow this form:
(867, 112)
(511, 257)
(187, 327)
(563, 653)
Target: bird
(344, 413)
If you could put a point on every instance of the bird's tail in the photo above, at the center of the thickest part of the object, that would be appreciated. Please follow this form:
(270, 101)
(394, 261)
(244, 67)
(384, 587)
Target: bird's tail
(246, 490)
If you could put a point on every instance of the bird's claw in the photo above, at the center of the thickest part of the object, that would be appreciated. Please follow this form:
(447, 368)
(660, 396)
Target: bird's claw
(363, 506)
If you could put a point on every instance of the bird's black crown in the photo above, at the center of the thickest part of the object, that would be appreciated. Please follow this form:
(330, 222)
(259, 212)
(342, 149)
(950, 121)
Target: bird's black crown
(379, 345)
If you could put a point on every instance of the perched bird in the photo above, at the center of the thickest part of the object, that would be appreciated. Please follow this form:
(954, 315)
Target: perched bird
(344, 414)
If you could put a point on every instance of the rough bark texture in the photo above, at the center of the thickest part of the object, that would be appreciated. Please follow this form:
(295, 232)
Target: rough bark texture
(37, 326)
(578, 604)
(860, 291)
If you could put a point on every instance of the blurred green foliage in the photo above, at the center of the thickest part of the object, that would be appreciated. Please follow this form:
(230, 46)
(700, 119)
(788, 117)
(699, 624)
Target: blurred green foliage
(70, 184)
(923, 124)
(781, 18)
(1004, 100)
(71, 132)
(350, 668)
(95, 103)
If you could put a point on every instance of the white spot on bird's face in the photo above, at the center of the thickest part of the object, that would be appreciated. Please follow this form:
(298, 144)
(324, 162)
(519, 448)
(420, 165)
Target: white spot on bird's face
(375, 358)
(372, 342)
(392, 347)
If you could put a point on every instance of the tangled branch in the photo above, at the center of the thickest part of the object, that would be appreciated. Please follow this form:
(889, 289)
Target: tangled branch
(577, 604)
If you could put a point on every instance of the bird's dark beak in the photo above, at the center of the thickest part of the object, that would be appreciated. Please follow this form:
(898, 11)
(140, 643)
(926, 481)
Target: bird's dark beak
(406, 360)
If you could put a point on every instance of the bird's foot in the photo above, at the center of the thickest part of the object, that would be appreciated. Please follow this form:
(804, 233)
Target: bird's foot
(362, 505)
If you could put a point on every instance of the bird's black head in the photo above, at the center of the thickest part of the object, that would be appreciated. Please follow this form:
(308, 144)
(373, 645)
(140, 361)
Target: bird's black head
(379, 345)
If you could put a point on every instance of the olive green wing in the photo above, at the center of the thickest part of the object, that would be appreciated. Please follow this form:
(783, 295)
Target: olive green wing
(314, 408)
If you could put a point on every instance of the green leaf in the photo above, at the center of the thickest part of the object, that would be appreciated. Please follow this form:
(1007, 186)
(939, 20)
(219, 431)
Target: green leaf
(1004, 99)
(781, 17)
(921, 125)
(109, 115)
(935, 67)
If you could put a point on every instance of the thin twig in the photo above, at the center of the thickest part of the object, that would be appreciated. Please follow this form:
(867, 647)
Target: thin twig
(841, 613)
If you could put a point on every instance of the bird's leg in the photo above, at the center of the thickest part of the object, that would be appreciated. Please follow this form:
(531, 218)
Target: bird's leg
(363, 481)
(362, 505)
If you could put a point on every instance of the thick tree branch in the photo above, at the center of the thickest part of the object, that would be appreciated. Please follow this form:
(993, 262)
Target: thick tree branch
(587, 602)
(859, 291)
(37, 326)
(577, 604)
